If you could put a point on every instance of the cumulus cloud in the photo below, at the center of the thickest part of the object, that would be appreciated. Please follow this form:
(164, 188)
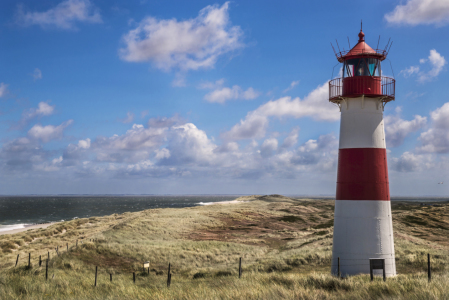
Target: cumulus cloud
(48, 132)
(183, 45)
(43, 109)
(315, 105)
(3, 89)
(292, 85)
(435, 63)
(129, 118)
(62, 16)
(291, 139)
(207, 85)
(269, 146)
(188, 144)
(37, 74)
(397, 129)
(436, 139)
(410, 71)
(22, 154)
(416, 12)
(410, 162)
(221, 95)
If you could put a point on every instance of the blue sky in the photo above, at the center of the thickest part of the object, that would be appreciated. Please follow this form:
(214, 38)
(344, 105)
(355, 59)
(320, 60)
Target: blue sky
(201, 97)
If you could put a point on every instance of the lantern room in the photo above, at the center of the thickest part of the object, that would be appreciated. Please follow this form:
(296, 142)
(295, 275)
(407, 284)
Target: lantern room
(362, 74)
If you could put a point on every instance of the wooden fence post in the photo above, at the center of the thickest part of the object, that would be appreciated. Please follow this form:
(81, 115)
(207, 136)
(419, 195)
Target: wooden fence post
(96, 271)
(371, 269)
(40, 260)
(110, 276)
(46, 270)
(17, 260)
(383, 270)
(338, 268)
(429, 271)
(169, 275)
(134, 277)
(240, 267)
(29, 260)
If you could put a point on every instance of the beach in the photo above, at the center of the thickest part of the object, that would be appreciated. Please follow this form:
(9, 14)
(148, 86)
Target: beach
(26, 228)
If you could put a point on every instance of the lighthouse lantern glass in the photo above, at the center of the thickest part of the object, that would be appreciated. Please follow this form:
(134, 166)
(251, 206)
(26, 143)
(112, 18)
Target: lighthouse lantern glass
(361, 67)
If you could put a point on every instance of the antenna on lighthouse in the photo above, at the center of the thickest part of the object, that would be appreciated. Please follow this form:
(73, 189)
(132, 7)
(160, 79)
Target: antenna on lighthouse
(349, 43)
(338, 45)
(387, 45)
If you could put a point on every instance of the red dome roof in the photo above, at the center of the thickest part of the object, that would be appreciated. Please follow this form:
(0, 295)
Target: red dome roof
(361, 48)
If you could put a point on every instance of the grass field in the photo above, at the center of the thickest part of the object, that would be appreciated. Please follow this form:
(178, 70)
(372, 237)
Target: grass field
(285, 245)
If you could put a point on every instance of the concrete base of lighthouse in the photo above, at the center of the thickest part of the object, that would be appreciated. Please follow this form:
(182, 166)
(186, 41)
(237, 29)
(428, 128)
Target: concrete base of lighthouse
(362, 230)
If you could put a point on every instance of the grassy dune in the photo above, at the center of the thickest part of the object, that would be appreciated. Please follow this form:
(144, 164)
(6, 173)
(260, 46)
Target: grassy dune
(286, 246)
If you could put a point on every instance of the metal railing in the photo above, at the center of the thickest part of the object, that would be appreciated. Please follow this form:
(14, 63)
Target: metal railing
(363, 85)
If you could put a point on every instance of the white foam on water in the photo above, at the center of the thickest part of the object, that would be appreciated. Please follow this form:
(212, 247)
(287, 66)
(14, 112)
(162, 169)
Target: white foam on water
(205, 203)
(12, 227)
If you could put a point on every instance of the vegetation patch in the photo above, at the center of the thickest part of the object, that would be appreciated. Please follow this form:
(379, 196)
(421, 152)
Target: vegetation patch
(291, 219)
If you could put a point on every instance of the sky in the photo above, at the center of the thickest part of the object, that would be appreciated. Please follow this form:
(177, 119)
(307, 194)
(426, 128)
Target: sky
(204, 97)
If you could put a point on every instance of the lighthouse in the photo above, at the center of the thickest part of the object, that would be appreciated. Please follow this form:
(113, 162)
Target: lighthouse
(363, 227)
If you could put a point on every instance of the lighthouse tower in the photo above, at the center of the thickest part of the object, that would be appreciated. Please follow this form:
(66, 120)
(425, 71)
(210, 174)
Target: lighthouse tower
(362, 227)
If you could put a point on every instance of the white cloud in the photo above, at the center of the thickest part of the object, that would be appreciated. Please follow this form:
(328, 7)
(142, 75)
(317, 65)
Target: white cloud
(207, 85)
(221, 95)
(43, 109)
(436, 139)
(315, 105)
(63, 16)
(435, 61)
(410, 162)
(49, 132)
(292, 85)
(128, 119)
(183, 45)
(84, 144)
(416, 12)
(162, 153)
(3, 89)
(397, 129)
(37, 74)
(188, 144)
(410, 71)
(269, 146)
(138, 137)
(291, 139)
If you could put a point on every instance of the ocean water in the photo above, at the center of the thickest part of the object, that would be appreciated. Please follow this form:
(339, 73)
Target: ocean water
(19, 211)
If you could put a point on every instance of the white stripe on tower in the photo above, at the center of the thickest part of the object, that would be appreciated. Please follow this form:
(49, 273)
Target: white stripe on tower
(362, 225)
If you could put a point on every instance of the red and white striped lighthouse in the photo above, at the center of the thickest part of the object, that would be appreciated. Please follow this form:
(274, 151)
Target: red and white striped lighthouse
(362, 226)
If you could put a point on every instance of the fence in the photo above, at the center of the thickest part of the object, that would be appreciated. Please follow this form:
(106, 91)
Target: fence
(239, 265)
(381, 86)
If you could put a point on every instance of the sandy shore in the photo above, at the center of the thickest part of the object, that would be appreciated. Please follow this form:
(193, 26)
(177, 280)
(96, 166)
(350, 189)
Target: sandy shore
(28, 227)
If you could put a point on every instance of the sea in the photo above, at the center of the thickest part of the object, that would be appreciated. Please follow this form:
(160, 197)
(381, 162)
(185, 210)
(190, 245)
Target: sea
(20, 211)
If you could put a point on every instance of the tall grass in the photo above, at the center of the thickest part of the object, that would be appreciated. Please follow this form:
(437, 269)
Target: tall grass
(286, 246)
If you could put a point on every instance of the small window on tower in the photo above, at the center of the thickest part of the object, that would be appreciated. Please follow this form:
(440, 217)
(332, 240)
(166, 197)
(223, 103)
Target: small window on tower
(374, 66)
(362, 68)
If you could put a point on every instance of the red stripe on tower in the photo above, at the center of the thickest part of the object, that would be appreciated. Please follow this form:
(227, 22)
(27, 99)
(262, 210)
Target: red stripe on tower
(362, 174)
